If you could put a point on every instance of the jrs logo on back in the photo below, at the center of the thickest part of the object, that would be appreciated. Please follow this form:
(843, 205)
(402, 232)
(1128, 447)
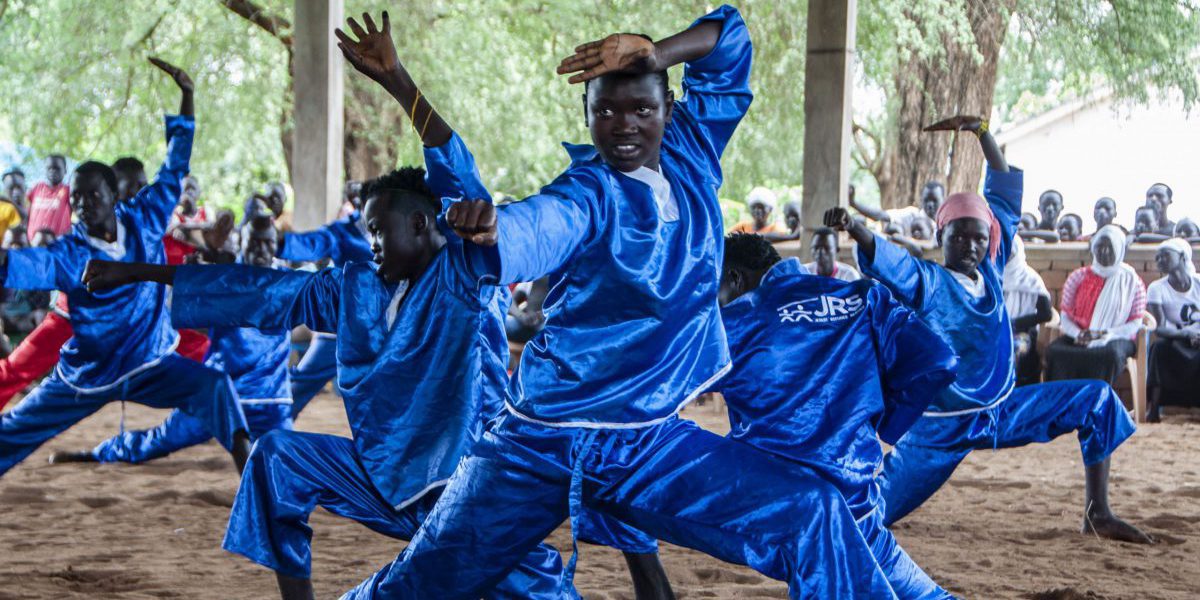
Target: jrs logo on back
(823, 309)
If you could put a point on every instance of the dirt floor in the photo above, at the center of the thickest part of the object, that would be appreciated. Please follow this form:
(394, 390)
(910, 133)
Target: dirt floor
(1005, 526)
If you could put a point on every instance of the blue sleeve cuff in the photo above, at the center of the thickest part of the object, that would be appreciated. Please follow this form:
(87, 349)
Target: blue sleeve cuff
(450, 171)
(733, 45)
(480, 264)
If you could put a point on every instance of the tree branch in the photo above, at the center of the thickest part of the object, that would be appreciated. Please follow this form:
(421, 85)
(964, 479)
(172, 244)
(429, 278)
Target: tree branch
(279, 27)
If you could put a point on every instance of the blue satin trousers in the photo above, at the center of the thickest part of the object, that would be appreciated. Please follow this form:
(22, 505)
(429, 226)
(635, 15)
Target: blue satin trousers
(673, 480)
(928, 454)
(181, 431)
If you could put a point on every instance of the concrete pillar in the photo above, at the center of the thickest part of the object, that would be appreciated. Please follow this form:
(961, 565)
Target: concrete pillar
(828, 82)
(317, 153)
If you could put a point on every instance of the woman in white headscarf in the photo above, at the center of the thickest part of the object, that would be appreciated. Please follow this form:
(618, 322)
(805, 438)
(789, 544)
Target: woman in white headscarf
(1174, 300)
(1102, 307)
(1028, 303)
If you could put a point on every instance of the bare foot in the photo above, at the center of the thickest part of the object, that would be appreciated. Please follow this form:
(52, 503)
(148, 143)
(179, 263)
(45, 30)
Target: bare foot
(1111, 527)
(58, 458)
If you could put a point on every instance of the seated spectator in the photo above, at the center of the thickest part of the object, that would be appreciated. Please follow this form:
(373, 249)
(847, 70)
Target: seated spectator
(791, 218)
(1174, 300)
(1028, 222)
(1070, 227)
(1028, 303)
(190, 216)
(1050, 205)
(1145, 226)
(1103, 213)
(1028, 229)
(825, 262)
(1102, 308)
(351, 199)
(761, 203)
(1159, 197)
(10, 215)
(16, 238)
(13, 182)
(1187, 229)
(932, 196)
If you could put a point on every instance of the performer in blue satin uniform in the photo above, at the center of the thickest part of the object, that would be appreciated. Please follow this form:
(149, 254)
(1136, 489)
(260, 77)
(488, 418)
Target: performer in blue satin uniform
(420, 370)
(824, 369)
(962, 301)
(631, 238)
(342, 241)
(256, 361)
(123, 347)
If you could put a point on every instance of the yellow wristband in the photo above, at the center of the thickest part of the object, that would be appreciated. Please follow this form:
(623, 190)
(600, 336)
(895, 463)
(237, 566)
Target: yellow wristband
(983, 128)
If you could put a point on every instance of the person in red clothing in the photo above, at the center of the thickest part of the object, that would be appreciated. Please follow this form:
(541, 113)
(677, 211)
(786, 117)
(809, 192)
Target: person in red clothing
(50, 200)
(1102, 307)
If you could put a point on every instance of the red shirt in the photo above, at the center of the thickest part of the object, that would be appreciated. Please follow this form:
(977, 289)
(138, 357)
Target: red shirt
(49, 208)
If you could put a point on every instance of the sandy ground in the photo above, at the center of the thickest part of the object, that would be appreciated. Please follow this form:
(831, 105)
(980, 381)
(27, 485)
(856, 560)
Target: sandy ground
(1006, 526)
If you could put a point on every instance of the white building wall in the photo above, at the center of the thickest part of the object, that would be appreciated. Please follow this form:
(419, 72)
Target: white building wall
(1101, 151)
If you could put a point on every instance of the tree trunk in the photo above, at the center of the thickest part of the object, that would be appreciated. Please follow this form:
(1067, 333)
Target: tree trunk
(932, 88)
(373, 123)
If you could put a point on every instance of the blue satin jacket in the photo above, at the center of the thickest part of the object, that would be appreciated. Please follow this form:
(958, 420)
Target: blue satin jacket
(633, 331)
(418, 394)
(822, 366)
(256, 361)
(340, 241)
(978, 329)
(125, 330)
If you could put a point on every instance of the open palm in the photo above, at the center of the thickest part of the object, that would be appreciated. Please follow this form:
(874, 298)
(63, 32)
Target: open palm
(373, 54)
(617, 52)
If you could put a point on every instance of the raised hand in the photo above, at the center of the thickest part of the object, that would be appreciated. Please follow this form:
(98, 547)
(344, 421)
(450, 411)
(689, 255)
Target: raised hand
(474, 221)
(374, 53)
(957, 123)
(617, 52)
(837, 218)
(181, 78)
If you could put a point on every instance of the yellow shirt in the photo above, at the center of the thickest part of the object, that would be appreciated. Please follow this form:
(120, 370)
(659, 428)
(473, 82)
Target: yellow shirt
(9, 217)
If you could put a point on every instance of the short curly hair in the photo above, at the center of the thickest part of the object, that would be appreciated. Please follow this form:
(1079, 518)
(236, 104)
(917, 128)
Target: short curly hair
(105, 172)
(749, 251)
(405, 179)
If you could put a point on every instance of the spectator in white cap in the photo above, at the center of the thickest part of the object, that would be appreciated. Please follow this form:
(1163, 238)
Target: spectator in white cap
(761, 203)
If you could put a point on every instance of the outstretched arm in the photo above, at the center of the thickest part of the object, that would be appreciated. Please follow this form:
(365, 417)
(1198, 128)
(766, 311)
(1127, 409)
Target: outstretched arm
(157, 201)
(186, 106)
(374, 54)
(1040, 234)
(914, 248)
(875, 214)
(105, 274)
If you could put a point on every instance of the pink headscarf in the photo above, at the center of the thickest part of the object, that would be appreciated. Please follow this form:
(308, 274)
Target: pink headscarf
(968, 204)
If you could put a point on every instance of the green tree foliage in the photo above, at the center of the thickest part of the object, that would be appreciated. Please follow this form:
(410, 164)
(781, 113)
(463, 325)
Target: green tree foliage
(489, 65)
(77, 82)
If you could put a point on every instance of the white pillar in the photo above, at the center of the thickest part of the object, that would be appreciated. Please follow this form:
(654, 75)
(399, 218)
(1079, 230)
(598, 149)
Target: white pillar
(828, 109)
(318, 80)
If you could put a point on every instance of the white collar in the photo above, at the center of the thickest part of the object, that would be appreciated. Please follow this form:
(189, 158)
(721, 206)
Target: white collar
(975, 287)
(394, 305)
(116, 249)
(668, 209)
